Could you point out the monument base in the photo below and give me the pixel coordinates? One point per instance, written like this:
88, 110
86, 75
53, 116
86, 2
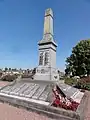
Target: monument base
38, 96
46, 74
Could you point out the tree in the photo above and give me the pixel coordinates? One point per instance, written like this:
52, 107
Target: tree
14, 69
20, 69
9, 77
79, 61
9, 69
34, 71
6, 69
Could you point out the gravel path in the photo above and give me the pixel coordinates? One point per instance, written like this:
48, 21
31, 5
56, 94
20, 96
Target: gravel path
8, 112
3, 83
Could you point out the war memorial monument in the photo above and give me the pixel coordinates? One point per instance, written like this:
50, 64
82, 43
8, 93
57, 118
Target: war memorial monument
38, 94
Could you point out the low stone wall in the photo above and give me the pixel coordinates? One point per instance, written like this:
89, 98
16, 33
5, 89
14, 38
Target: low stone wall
57, 113
82, 107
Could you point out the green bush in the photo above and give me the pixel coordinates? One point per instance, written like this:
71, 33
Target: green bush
83, 83
26, 76
70, 81
9, 78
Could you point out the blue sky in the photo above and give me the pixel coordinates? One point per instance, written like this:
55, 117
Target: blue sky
21, 27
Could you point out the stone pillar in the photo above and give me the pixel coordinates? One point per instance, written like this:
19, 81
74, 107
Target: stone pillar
47, 51
48, 23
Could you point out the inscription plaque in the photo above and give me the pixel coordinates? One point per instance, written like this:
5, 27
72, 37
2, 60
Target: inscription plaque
33, 91
29, 89
44, 96
38, 93
17, 89
23, 89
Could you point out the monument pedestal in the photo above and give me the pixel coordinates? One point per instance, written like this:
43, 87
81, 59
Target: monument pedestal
46, 73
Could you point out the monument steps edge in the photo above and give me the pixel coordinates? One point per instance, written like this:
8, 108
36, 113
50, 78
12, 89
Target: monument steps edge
42, 109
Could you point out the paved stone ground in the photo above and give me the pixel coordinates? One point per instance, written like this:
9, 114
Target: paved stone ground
3, 83
87, 113
8, 112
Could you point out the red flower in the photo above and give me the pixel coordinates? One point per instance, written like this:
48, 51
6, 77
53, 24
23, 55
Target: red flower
60, 103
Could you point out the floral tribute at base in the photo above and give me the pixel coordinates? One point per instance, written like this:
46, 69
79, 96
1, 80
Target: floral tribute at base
60, 100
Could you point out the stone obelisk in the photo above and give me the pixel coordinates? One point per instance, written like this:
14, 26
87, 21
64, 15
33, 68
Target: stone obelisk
48, 23
46, 69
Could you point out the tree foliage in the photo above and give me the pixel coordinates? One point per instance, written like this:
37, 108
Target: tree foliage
79, 61
9, 77
6, 69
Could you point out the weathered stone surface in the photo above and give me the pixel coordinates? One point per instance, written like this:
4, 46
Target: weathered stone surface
71, 92
46, 69
25, 89
32, 92
44, 96
41, 90
29, 89
17, 89
35, 94
59, 114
